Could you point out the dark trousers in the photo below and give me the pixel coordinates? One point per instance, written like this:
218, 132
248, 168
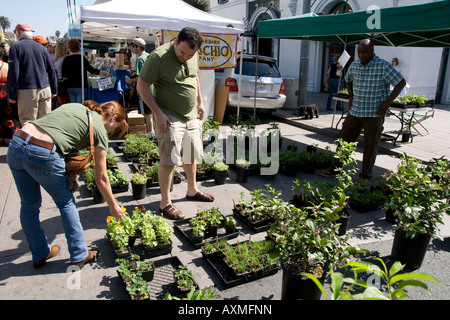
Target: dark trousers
373, 127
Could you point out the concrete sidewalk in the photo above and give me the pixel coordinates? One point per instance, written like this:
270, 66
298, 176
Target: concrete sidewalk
19, 280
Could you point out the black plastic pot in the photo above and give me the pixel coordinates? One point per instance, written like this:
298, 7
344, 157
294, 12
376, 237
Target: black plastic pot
242, 174
220, 177
139, 190
97, 196
406, 136
295, 287
410, 251
344, 221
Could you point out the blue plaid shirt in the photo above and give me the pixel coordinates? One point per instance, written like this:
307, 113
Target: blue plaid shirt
371, 85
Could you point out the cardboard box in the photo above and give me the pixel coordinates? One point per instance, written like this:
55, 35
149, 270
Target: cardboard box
221, 97
134, 118
137, 128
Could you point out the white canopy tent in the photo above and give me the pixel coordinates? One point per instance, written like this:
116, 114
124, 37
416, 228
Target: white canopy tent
122, 20
128, 19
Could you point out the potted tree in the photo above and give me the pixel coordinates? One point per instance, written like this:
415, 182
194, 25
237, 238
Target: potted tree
220, 172
418, 204
138, 185
308, 243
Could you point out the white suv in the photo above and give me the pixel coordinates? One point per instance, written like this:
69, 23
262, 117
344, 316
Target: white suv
269, 85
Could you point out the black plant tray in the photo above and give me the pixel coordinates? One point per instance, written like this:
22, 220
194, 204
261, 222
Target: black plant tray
163, 281
229, 277
183, 226
120, 188
138, 249
258, 226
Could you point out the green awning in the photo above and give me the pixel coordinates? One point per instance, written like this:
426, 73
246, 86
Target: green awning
424, 25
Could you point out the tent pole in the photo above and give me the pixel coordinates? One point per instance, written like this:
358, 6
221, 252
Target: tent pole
256, 76
240, 77
304, 63
82, 65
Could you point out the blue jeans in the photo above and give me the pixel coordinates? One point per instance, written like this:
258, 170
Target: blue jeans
33, 166
333, 88
75, 94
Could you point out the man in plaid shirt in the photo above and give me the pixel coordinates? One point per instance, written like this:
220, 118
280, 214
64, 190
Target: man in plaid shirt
368, 82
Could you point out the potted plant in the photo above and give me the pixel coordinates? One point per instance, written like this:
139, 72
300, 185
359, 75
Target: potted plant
394, 282
230, 225
242, 170
89, 180
210, 130
134, 267
418, 204
118, 237
220, 172
184, 279
308, 244
198, 226
289, 162
138, 185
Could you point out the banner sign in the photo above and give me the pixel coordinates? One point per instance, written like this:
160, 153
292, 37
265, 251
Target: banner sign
218, 51
75, 30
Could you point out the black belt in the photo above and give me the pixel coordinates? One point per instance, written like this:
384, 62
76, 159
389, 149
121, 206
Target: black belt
42, 143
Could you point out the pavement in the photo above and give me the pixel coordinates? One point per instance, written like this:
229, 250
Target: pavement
99, 280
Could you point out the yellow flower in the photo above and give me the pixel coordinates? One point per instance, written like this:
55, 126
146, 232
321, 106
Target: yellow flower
109, 219
118, 226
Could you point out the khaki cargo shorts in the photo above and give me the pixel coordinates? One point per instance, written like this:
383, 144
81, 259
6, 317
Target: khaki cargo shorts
182, 143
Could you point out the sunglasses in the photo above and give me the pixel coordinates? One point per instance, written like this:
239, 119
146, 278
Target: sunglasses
186, 69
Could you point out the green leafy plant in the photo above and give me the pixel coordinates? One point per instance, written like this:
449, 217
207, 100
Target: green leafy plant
138, 178
220, 166
195, 294
418, 202
184, 278
394, 282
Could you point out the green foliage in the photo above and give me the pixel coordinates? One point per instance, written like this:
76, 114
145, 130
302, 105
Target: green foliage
394, 282
138, 178
417, 201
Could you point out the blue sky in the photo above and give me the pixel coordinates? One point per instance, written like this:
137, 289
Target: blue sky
43, 16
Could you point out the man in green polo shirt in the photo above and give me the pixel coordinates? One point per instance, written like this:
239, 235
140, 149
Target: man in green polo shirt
177, 108
368, 83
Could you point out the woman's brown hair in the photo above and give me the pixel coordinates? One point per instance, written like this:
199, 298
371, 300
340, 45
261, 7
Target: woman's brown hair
73, 45
110, 108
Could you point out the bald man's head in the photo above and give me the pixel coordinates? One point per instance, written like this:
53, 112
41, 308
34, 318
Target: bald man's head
365, 51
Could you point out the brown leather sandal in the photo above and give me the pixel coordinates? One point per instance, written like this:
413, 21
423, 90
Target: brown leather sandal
201, 196
171, 212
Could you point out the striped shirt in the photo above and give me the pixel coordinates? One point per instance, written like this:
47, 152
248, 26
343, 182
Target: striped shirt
371, 85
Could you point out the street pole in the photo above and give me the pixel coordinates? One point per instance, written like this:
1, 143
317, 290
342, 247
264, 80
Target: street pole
304, 63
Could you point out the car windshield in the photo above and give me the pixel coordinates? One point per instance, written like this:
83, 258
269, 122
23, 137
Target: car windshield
265, 68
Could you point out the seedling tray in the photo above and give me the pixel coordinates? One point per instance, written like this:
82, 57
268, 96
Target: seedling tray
163, 281
183, 226
258, 226
229, 277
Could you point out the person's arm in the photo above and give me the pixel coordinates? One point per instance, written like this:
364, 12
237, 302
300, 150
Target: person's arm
200, 107
394, 94
349, 86
13, 76
102, 181
143, 88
